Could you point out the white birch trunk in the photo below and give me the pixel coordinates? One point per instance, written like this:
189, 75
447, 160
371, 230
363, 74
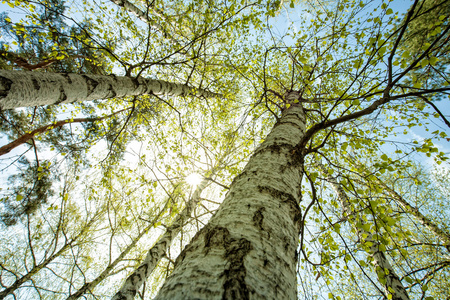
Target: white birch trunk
139, 13
26, 88
134, 282
46, 261
248, 248
443, 236
390, 281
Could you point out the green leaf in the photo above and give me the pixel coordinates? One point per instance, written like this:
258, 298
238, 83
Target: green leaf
389, 11
433, 61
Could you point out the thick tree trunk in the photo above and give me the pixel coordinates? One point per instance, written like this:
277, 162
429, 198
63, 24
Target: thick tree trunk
386, 274
157, 252
248, 248
25, 88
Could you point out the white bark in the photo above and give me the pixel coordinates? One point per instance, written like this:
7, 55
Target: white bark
139, 13
248, 248
443, 236
26, 88
390, 281
47, 260
133, 283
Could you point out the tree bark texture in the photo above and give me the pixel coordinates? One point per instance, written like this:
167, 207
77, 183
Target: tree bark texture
134, 282
248, 248
390, 281
139, 13
26, 88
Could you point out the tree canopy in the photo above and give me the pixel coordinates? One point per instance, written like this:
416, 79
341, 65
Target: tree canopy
97, 201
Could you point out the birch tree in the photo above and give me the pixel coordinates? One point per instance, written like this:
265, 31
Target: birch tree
337, 80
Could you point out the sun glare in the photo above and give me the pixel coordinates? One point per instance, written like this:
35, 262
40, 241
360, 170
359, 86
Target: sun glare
194, 179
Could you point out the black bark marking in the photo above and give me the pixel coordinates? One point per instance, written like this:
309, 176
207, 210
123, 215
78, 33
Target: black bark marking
91, 84
235, 286
258, 218
5, 86
136, 82
274, 148
36, 85
286, 198
62, 95
67, 77
145, 269
112, 92
235, 252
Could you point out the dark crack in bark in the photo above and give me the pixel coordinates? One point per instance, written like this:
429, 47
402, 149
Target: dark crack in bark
287, 198
258, 218
67, 77
36, 85
5, 86
235, 251
91, 84
62, 95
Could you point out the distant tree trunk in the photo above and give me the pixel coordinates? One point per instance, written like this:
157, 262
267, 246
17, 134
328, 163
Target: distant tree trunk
390, 281
143, 16
248, 248
157, 252
442, 235
89, 286
26, 88
44, 263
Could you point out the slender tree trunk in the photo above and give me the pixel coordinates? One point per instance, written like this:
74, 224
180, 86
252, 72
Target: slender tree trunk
248, 248
89, 286
29, 135
45, 262
157, 252
25, 88
443, 236
390, 281
140, 14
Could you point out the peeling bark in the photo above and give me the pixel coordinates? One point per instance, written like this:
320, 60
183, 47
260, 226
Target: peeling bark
248, 248
25, 88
